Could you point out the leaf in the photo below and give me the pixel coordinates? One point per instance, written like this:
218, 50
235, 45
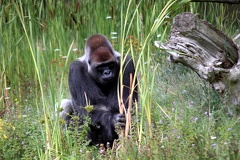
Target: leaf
89, 108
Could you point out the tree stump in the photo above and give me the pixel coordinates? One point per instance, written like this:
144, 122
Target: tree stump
210, 53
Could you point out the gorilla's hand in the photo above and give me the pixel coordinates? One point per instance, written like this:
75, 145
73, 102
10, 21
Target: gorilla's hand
66, 109
119, 120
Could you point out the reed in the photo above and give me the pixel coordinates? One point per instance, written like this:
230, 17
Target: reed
178, 116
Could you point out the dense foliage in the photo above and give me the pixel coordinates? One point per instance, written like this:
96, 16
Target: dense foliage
179, 116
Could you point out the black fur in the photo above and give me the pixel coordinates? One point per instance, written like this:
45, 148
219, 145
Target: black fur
86, 91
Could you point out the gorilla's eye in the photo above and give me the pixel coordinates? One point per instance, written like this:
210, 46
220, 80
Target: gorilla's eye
100, 69
111, 65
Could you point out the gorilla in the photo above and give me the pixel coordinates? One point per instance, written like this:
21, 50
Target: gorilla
94, 80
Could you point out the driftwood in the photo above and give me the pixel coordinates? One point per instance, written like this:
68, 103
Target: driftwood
210, 53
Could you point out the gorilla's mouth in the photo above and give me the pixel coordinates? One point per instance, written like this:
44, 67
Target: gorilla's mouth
108, 79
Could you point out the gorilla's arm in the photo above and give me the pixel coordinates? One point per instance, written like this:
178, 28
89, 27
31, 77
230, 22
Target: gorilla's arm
106, 122
82, 87
75, 82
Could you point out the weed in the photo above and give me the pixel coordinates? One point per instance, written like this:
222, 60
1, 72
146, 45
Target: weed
179, 116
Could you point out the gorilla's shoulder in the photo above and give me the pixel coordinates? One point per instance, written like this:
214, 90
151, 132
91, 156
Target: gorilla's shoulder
78, 65
128, 60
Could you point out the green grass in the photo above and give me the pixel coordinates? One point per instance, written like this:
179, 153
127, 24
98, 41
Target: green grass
179, 115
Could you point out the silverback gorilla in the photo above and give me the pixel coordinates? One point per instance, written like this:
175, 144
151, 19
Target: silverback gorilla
94, 80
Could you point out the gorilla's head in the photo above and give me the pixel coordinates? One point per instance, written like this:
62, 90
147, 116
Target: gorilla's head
102, 59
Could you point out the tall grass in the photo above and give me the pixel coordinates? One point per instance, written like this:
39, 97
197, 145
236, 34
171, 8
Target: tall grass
179, 116
222, 17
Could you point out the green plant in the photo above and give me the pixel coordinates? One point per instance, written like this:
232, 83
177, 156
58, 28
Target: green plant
180, 117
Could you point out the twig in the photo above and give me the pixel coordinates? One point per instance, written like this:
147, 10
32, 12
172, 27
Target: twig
128, 115
6, 96
121, 107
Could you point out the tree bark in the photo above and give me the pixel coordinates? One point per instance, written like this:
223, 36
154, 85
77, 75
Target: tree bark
210, 53
219, 1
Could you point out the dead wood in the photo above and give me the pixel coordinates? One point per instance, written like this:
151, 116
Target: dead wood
210, 53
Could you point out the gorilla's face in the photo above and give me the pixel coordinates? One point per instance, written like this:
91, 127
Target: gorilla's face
104, 72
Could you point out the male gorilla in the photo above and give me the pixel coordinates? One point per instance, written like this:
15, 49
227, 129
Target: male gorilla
94, 80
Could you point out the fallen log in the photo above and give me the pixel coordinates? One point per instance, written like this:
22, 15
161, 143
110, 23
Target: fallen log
210, 53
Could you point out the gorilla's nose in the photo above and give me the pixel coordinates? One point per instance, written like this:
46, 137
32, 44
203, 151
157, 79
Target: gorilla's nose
107, 73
